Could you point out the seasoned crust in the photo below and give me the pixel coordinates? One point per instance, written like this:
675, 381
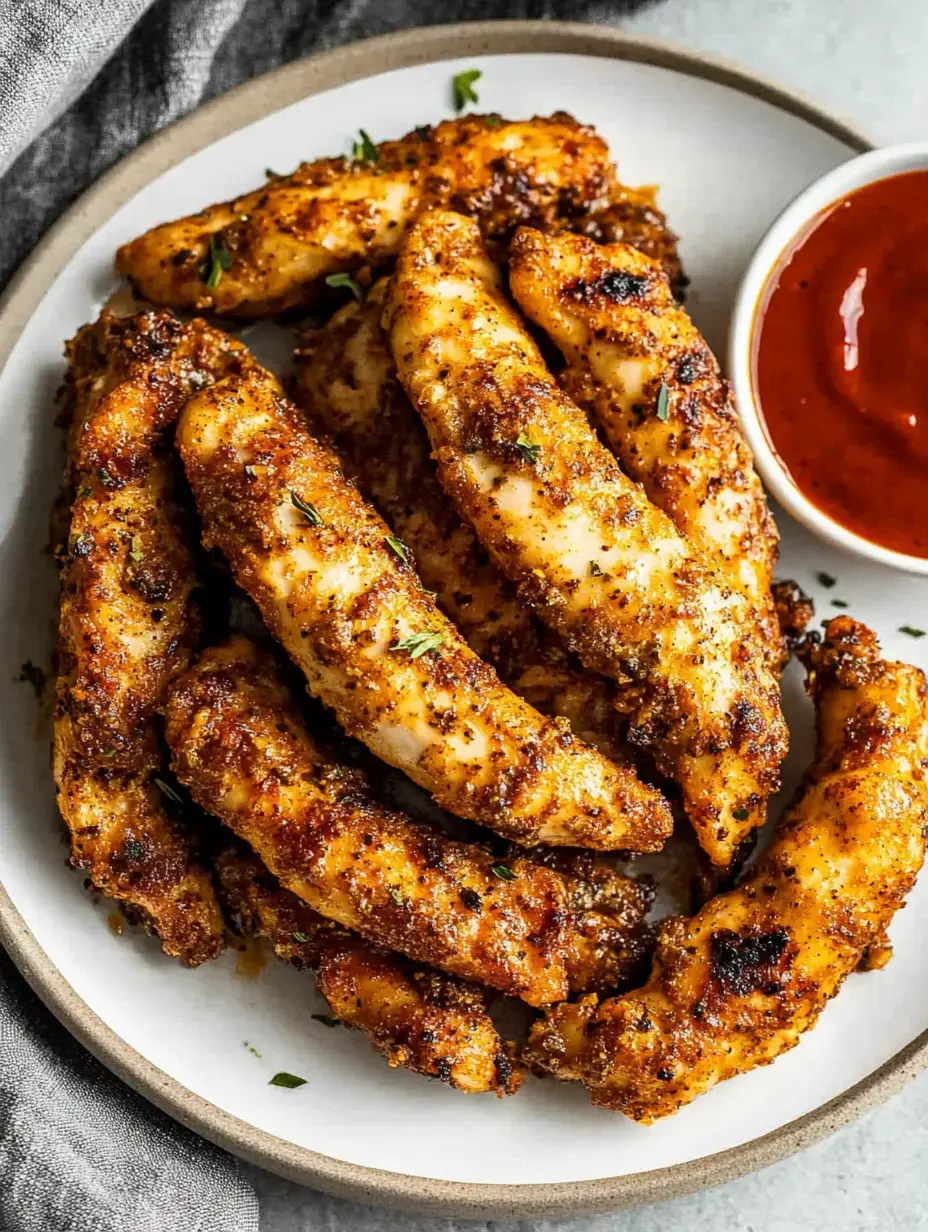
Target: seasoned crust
340, 214
239, 746
638, 365
352, 614
592, 556
345, 379
737, 984
128, 620
419, 1019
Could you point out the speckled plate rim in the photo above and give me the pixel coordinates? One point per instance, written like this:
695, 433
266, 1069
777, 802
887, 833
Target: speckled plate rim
224, 115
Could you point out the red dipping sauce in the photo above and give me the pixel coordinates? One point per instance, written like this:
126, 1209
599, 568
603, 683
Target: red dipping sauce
840, 362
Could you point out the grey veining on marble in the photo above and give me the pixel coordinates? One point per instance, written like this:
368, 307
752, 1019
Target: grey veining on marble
865, 59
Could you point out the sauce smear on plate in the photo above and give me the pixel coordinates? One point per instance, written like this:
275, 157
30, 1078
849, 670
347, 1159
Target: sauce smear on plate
841, 362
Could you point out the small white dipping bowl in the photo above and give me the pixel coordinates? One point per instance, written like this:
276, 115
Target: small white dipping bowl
789, 226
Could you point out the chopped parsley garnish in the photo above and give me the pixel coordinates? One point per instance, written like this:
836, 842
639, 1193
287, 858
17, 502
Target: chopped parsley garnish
345, 280
527, 449
272, 175
663, 400
309, 512
301, 937
109, 753
327, 1020
462, 88
503, 872
218, 259
911, 631
493, 121
398, 548
840, 603
397, 896
418, 644
283, 1079
251, 1048
167, 791
596, 570
740, 814
364, 150
135, 548
826, 580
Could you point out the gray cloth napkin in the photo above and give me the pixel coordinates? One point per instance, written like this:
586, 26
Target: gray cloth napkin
81, 83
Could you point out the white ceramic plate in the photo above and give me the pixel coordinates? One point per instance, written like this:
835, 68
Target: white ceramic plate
727, 157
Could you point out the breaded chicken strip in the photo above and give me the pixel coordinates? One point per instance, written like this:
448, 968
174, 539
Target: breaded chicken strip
595, 559
127, 619
345, 379
350, 610
738, 984
239, 746
272, 248
419, 1019
639, 366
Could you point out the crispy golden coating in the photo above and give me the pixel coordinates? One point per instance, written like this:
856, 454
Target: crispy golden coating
596, 560
278, 243
737, 985
127, 619
419, 1019
238, 745
636, 362
350, 610
345, 379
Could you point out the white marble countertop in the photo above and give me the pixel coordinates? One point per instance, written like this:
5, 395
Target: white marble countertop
864, 59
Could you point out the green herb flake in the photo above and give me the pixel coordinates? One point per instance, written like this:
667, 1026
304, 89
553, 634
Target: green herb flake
596, 570
109, 753
493, 121
343, 280
397, 896
83, 493
663, 402
135, 548
301, 937
218, 259
290, 1081
398, 548
911, 631
740, 814
364, 150
418, 644
167, 791
840, 603
527, 449
309, 512
826, 580
271, 174
327, 1020
503, 872
251, 1048
462, 88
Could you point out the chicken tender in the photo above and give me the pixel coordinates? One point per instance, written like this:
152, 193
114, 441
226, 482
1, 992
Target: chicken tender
738, 984
418, 1019
639, 366
272, 248
128, 621
595, 559
350, 610
346, 381
239, 746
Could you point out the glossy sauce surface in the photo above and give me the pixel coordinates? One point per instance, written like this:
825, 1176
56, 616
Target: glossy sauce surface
841, 362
